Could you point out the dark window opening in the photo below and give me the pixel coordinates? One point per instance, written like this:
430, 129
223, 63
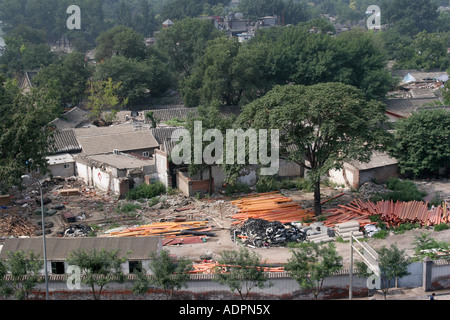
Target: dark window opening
135, 266
58, 267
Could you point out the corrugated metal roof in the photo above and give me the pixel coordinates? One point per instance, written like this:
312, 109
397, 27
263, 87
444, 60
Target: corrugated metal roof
135, 248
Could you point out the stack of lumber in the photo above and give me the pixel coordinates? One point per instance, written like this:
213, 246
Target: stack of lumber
391, 213
171, 232
345, 229
13, 225
211, 267
271, 206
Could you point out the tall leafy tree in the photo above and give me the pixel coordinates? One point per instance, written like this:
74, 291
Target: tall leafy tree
122, 41
103, 100
67, 77
321, 126
312, 263
167, 274
25, 270
243, 271
24, 130
184, 43
422, 144
98, 268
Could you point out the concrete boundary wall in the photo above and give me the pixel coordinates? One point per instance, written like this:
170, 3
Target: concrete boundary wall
431, 275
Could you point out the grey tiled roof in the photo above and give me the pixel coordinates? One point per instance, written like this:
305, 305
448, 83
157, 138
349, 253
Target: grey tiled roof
73, 118
65, 141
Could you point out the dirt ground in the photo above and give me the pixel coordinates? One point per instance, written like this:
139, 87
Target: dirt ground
102, 214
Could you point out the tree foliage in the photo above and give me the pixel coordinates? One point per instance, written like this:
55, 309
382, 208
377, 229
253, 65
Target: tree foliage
311, 263
24, 270
103, 100
167, 274
422, 143
243, 271
24, 131
98, 268
321, 126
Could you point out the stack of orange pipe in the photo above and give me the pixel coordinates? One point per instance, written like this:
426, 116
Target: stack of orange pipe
167, 229
270, 206
391, 213
210, 267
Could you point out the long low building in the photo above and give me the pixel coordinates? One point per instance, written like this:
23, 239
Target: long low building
135, 250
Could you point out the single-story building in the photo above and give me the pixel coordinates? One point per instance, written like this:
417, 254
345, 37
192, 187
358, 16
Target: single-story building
136, 250
61, 165
115, 173
355, 173
121, 138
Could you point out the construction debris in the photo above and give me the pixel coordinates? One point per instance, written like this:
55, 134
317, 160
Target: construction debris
5, 200
317, 232
13, 225
77, 230
69, 192
263, 233
209, 266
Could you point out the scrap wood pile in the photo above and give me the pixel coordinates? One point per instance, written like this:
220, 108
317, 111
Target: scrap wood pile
171, 232
13, 225
210, 266
271, 206
390, 212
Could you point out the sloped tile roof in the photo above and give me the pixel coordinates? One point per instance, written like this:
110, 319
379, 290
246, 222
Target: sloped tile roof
65, 141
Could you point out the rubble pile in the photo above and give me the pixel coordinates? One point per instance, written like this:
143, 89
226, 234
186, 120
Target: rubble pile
259, 233
77, 230
14, 225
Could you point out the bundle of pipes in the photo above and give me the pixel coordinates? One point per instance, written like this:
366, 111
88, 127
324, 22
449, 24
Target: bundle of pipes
271, 206
214, 266
390, 212
169, 231
345, 230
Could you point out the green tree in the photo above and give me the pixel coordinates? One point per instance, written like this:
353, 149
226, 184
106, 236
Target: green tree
411, 16
421, 143
243, 271
311, 263
210, 119
184, 43
24, 131
103, 101
98, 268
25, 274
139, 79
321, 126
122, 41
167, 274
67, 77
393, 263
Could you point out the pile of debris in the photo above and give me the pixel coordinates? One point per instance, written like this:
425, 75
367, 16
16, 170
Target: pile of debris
14, 225
77, 230
260, 233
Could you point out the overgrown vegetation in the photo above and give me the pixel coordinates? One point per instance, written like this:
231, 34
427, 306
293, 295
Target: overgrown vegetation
146, 191
426, 246
400, 190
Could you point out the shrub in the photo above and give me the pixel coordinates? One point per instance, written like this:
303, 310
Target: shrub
401, 190
127, 208
146, 191
237, 187
441, 226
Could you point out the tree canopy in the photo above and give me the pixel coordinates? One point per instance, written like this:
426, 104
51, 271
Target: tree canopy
321, 125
